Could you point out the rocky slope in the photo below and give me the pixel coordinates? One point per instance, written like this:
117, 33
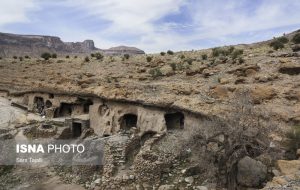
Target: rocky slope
205, 82
35, 45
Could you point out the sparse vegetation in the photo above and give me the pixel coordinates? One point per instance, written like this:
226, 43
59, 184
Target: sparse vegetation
296, 38
15, 57
67, 56
204, 56
149, 58
86, 59
293, 140
92, 55
236, 53
224, 52
173, 66
283, 39
0, 57
26, 57
54, 55
21, 58
99, 56
189, 61
277, 43
162, 53
170, 52
126, 56
75, 57
155, 72
182, 56
46, 55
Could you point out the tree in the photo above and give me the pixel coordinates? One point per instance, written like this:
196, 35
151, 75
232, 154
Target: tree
126, 56
296, 38
204, 56
276, 44
46, 55
54, 55
98, 56
86, 59
149, 58
170, 52
162, 53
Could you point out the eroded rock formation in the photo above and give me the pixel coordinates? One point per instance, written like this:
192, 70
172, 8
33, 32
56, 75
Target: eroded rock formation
35, 45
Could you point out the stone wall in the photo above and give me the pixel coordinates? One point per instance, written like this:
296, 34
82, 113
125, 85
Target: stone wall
105, 117
110, 117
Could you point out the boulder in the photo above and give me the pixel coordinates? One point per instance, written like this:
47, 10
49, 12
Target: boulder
261, 93
295, 47
189, 180
220, 92
290, 69
251, 173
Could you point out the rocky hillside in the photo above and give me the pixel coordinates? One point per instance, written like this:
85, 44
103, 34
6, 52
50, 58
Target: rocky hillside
35, 45
246, 98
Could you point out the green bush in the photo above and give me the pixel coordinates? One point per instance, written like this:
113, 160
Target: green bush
67, 56
182, 56
162, 53
283, 39
296, 38
224, 51
170, 52
46, 55
0, 57
86, 59
204, 56
54, 55
126, 56
236, 53
92, 55
155, 72
15, 57
276, 44
173, 66
26, 57
149, 58
189, 61
231, 49
99, 56
75, 57
293, 139
21, 58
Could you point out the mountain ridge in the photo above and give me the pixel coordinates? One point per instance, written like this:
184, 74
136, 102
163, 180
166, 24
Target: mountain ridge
35, 45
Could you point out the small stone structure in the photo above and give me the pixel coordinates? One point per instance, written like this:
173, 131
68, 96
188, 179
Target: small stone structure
77, 125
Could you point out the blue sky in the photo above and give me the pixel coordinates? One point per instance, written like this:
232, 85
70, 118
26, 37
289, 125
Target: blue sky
153, 25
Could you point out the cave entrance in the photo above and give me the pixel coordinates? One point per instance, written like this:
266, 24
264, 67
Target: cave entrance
76, 129
48, 104
86, 106
174, 120
128, 121
65, 110
39, 104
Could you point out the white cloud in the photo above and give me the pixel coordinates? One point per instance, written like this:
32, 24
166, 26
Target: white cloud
133, 22
14, 11
130, 16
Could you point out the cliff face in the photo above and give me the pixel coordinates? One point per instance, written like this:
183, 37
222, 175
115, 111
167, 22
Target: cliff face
35, 45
